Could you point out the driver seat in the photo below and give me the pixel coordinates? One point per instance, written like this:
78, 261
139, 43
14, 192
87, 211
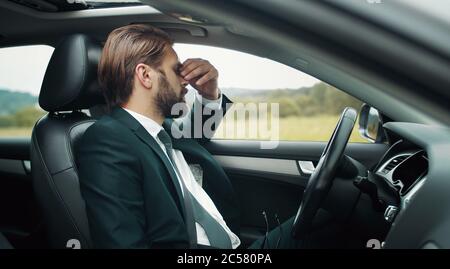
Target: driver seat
70, 85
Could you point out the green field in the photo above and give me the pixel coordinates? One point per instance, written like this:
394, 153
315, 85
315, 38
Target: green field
16, 132
317, 128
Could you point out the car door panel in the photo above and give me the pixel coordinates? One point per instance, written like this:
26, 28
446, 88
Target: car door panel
20, 219
271, 180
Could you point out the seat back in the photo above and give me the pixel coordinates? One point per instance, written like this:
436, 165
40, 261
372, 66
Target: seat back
69, 86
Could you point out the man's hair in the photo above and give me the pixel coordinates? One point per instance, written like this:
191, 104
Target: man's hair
124, 49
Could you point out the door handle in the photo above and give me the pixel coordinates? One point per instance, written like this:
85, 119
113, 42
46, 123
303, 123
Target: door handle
306, 167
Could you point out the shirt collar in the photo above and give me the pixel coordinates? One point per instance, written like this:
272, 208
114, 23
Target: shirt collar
150, 125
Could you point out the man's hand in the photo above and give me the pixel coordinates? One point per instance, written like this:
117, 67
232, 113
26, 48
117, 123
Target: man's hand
202, 76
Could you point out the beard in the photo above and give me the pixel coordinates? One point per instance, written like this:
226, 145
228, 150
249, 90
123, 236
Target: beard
167, 98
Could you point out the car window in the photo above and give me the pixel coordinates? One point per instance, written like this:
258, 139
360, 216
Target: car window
22, 70
272, 101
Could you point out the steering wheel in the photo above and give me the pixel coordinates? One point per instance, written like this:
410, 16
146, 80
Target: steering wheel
321, 179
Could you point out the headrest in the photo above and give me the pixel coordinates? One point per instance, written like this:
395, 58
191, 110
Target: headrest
70, 81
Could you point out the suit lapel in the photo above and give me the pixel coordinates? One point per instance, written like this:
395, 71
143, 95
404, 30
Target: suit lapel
124, 117
151, 142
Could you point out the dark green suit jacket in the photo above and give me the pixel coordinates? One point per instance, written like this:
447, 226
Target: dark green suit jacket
129, 187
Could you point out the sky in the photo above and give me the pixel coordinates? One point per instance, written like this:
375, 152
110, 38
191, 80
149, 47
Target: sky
23, 68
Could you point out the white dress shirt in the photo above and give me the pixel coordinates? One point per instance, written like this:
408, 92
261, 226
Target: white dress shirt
186, 174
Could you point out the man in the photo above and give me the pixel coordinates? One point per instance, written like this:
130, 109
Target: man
139, 189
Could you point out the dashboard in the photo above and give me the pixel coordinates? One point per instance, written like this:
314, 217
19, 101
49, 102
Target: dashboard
417, 166
404, 170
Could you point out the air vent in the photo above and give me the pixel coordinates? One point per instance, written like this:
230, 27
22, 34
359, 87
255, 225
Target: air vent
393, 163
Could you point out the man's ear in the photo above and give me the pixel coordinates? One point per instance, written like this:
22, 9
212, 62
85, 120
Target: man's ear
145, 75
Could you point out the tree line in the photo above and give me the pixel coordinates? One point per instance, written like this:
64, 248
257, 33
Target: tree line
24, 117
320, 99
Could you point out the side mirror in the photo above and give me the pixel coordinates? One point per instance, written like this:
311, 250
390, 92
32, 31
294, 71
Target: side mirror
371, 124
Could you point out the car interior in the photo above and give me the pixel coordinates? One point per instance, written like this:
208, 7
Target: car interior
393, 190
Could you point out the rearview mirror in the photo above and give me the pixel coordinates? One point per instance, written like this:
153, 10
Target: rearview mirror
371, 124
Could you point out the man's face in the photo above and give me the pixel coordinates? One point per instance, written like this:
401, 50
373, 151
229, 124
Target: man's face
171, 86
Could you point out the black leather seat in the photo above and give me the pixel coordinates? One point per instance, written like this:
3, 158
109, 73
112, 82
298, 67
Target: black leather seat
70, 85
